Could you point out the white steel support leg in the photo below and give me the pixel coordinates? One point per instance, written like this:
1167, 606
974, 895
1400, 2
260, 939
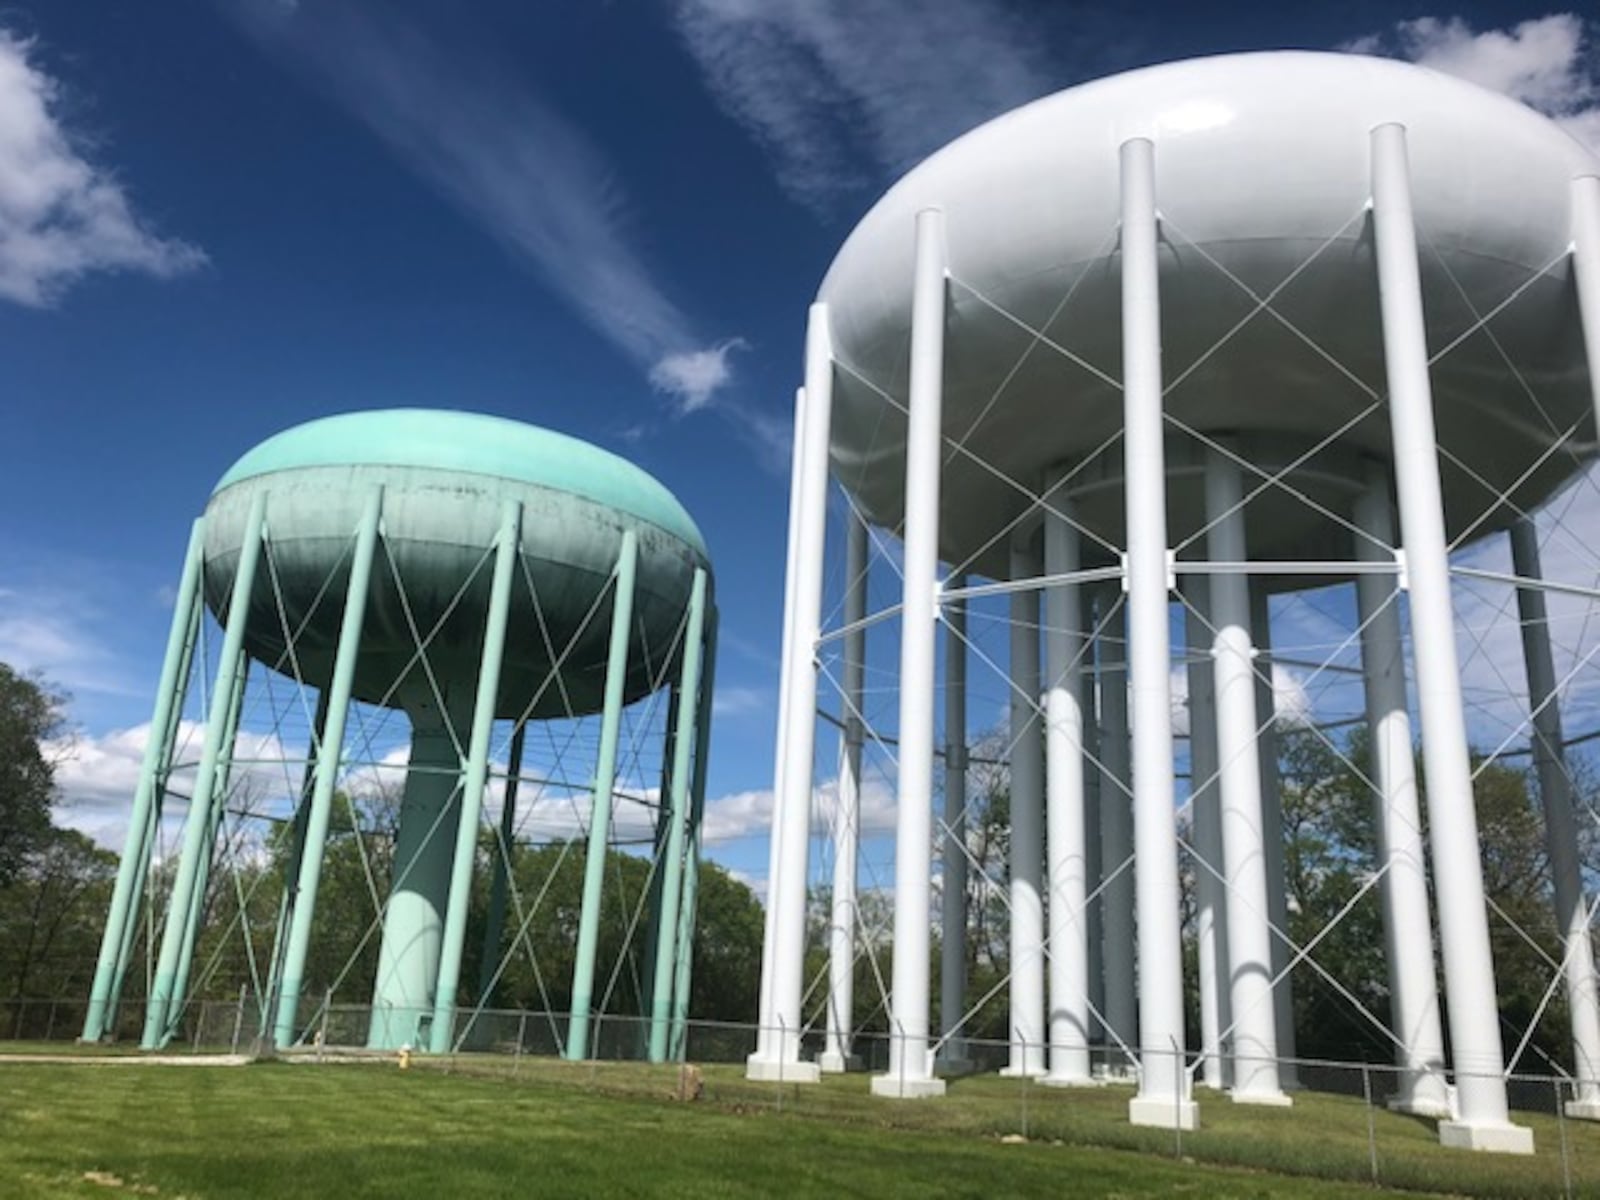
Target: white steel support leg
1408, 936
797, 476
1091, 817
1272, 833
846, 819
952, 1058
1163, 1097
1586, 269
1065, 836
1116, 838
1561, 833
1255, 1040
1211, 919
1027, 827
1453, 825
779, 1056
910, 1067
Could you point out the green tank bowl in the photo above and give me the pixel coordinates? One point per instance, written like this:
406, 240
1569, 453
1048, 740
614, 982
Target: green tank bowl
445, 476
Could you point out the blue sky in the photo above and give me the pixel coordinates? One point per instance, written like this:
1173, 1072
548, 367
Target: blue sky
220, 219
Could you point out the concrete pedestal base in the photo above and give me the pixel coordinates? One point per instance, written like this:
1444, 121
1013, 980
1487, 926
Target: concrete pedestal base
1263, 1099
1582, 1110
907, 1088
830, 1063
1496, 1139
1163, 1114
772, 1070
1022, 1072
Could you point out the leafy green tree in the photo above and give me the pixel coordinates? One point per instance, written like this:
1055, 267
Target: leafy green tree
30, 714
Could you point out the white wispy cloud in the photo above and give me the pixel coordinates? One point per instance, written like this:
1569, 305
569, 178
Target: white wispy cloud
1547, 63
487, 143
56, 630
746, 814
62, 216
841, 93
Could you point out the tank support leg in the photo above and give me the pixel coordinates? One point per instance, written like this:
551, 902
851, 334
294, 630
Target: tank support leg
1255, 1042
1272, 834
508, 544
1205, 812
677, 812
910, 1067
1453, 826
777, 1053
605, 774
199, 818
684, 967
1116, 832
1561, 834
953, 899
842, 920
303, 904
146, 815
1066, 830
1163, 1097
1027, 1032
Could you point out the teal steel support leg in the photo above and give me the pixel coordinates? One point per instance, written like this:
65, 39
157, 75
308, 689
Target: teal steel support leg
122, 919
684, 967
153, 826
494, 925
155, 1020
442, 1034
672, 877
303, 904
594, 866
655, 917
291, 865
202, 879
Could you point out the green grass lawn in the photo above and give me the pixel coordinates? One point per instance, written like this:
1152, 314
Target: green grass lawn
280, 1130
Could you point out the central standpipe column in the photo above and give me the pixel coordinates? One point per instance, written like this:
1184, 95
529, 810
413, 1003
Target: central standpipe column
1483, 1122
605, 775
910, 1069
1068, 854
846, 821
146, 800
1255, 1040
442, 1034
953, 897
1205, 808
303, 901
198, 824
777, 1053
1027, 824
1116, 837
1163, 1098
666, 956
1561, 834
1408, 937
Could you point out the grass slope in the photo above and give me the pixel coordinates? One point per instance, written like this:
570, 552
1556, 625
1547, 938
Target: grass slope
278, 1130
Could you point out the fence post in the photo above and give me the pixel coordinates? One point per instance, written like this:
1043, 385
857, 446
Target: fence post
238, 1020
1372, 1128
199, 1007
522, 1032
1561, 1128
50, 1022
783, 1043
1177, 1100
322, 1029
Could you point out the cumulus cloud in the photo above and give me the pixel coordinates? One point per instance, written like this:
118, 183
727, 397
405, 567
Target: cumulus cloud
1546, 63
692, 377
840, 93
62, 216
749, 813
528, 176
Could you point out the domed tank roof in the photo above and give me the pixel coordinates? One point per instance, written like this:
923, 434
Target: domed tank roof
445, 478
1263, 177
475, 443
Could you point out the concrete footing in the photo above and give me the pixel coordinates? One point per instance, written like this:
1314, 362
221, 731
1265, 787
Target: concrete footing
908, 1088
1496, 1138
773, 1070
1164, 1114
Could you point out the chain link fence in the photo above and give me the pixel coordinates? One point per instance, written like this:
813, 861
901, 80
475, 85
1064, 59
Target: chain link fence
1341, 1124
